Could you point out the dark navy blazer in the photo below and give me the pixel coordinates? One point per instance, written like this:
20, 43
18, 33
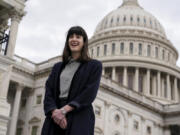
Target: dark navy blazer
83, 91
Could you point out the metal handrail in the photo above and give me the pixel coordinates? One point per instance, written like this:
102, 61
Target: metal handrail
4, 39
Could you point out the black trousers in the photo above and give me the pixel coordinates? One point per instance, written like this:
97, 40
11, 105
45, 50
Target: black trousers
58, 129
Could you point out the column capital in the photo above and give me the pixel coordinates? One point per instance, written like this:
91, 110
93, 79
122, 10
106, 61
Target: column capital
20, 86
16, 15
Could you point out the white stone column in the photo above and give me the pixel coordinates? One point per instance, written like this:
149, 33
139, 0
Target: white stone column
103, 71
15, 112
168, 87
136, 84
148, 82
176, 94
159, 83
114, 73
15, 19
107, 106
4, 105
28, 109
125, 76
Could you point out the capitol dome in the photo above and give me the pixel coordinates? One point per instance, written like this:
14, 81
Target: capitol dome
135, 52
132, 16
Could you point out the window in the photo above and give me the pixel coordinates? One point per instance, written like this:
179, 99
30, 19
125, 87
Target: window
19, 131
138, 19
38, 99
156, 52
150, 22
141, 83
34, 130
105, 50
23, 102
117, 118
168, 56
163, 53
136, 125
149, 130
113, 48
124, 19
148, 50
131, 18
140, 49
131, 48
111, 20
92, 51
98, 51
144, 20
120, 79
118, 19
122, 48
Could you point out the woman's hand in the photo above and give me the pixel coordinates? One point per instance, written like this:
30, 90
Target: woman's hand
63, 123
57, 116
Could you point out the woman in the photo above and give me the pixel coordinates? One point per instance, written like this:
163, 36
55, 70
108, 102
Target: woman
71, 88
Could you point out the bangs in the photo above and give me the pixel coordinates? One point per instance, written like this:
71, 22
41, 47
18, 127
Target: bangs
75, 30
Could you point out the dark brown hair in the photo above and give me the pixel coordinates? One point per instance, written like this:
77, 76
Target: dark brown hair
84, 57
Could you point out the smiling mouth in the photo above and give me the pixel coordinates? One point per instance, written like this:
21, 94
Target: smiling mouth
74, 44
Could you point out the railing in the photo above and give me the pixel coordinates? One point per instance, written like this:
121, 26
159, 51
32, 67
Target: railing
3, 42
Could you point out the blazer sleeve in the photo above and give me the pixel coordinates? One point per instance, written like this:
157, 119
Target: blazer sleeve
49, 99
89, 92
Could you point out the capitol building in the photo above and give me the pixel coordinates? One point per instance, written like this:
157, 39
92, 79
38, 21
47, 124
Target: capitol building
139, 93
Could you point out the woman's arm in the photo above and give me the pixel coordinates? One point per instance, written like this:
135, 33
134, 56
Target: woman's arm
49, 99
89, 92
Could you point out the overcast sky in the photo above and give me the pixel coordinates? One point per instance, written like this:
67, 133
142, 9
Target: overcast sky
42, 31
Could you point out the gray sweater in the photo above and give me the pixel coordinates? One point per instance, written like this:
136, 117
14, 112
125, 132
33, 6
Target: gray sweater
66, 77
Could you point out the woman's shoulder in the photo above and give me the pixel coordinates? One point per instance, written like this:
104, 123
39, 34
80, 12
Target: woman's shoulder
95, 62
57, 65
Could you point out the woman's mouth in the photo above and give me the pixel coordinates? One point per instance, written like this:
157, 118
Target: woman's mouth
74, 44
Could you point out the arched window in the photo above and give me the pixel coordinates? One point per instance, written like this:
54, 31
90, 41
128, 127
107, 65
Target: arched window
122, 48
138, 19
131, 19
131, 48
148, 50
144, 21
168, 56
124, 18
156, 52
113, 48
117, 118
105, 50
92, 51
118, 20
98, 51
163, 54
111, 20
140, 49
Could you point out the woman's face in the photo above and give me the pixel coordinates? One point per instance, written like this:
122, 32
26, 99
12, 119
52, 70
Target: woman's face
75, 43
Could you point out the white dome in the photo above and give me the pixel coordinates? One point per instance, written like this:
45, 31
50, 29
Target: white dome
130, 16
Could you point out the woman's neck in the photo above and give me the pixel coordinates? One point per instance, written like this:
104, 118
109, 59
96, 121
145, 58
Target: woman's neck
75, 55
